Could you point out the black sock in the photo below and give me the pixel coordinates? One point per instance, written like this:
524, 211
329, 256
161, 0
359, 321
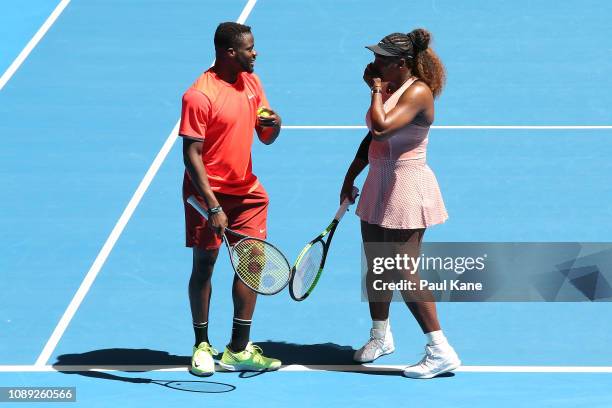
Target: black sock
201, 332
241, 329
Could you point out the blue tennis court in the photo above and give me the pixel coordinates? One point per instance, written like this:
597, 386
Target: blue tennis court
93, 268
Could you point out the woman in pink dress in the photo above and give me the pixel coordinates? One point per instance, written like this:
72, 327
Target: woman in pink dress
400, 197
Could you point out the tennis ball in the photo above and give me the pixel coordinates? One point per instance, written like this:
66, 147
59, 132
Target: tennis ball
263, 112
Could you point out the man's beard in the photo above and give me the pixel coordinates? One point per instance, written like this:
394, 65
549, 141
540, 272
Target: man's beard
246, 66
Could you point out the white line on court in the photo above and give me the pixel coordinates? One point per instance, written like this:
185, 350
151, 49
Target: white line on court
69, 313
467, 127
304, 368
105, 251
32, 43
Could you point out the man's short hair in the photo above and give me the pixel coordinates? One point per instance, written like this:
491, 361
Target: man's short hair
228, 35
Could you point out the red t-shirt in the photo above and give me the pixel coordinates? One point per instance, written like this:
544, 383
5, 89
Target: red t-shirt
223, 116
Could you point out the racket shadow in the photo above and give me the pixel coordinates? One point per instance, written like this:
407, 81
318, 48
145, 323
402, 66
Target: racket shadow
138, 360
201, 386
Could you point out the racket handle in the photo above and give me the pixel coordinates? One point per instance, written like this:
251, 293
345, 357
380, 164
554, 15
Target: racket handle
196, 204
346, 204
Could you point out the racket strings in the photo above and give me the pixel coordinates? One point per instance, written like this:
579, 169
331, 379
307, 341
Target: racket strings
260, 265
307, 269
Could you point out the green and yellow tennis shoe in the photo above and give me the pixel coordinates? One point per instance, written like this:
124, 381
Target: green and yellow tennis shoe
202, 363
250, 359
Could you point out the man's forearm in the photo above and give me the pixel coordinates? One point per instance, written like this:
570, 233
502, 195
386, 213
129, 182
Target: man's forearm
199, 178
192, 153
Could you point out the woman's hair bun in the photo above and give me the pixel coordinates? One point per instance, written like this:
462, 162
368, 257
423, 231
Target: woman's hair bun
420, 38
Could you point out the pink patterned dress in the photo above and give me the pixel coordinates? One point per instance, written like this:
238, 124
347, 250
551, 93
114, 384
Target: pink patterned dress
401, 191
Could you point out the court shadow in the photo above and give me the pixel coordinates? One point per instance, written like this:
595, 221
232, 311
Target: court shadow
142, 359
123, 357
288, 353
323, 357
308, 354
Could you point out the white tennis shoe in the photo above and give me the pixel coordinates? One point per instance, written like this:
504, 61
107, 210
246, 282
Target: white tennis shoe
380, 343
438, 359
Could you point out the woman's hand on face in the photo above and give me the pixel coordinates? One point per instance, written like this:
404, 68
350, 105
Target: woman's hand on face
369, 74
377, 83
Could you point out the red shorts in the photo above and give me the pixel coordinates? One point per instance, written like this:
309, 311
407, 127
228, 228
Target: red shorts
246, 214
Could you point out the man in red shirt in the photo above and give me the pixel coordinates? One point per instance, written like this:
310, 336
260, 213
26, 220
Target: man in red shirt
219, 115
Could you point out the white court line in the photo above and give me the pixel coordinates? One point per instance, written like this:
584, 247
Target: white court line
32, 43
105, 251
467, 127
304, 368
59, 330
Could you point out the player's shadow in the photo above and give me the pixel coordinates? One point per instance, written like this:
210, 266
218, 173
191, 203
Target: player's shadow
142, 359
325, 354
324, 357
124, 357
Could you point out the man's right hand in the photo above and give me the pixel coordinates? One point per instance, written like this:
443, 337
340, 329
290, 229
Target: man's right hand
218, 222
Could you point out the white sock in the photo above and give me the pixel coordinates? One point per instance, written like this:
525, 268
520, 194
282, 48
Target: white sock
435, 338
381, 327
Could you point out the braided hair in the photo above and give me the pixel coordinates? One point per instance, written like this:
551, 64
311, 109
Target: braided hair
422, 60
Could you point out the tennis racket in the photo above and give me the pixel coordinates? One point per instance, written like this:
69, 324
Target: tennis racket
259, 264
308, 268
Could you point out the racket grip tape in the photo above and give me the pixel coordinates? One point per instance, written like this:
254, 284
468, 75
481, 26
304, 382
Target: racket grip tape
198, 207
346, 204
